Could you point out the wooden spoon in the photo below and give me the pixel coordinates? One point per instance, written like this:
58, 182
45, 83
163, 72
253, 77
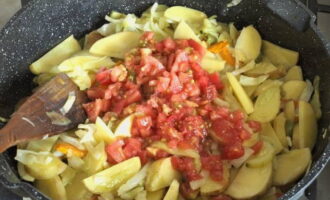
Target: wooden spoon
44, 114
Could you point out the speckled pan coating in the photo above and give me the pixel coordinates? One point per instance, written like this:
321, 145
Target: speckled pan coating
42, 24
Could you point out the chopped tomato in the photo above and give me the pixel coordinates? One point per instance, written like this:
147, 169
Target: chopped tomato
233, 151
257, 147
215, 79
214, 165
133, 147
93, 109
186, 166
115, 152
221, 197
254, 125
198, 47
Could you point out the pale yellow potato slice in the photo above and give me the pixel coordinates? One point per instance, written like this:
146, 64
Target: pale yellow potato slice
116, 45
161, 174
255, 137
267, 105
262, 68
95, 159
156, 195
53, 188
44, 145
189, 15
111, 178
268, 134
243, 98
291, 165
76, 190
210, 186
307, 125
295, 137
125, 126
279, 55
293, 89
250, 89
183, 31
23, 173
290, 111
103, 132
265, 156
266, 85
56, 55
279, 127
173, 191
248, 44
250, 182
294, 73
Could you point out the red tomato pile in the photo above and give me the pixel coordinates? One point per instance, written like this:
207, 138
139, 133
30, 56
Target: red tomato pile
164, 82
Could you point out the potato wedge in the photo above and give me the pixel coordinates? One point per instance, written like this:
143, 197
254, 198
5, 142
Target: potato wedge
56, 55
103, 132
161, 174
293, 89
279, 55
173, 191
124, 127
44, 145
291, 165
307, 125
76, 190
95, 159
116, 45
290, 111
243, 98
183, 31
111, 178
279, 127
262, 68
53, 188
266, 85
189, 15
295, 137
248, 44
211, 186
250, 182
250, 90
265, 156
267, 105
268, 134
156, 195
23, 173
294, 74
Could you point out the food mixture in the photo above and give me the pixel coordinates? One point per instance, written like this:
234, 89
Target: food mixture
181, 107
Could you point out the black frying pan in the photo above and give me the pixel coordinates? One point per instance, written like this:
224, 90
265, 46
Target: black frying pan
42, 24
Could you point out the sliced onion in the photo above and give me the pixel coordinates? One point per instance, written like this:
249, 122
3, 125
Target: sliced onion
73, 141
308, 91
251, 81
315, 102
246, 68
58, 119
69, 103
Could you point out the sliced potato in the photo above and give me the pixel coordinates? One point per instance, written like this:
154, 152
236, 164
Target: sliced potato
212, 63
189, 15
211, 186
76, 190
111, 178
116, 45
261, 69
291, 165
125, 126
23, 173
279, 55
294, 74
255, 137
156, 195
279, 127
173, 191
267, 105
265, 156
233, 32
307, 125
243, 98
290, 111
248, 44
268, 134
55, 56
293, 89
53, 188
295, 137
250, 182
161, 174
68, 175
266, 85
103, 132
183, 31
250, 90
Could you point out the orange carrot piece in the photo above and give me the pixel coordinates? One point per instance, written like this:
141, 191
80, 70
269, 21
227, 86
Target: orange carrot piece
221, 48
65, 148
